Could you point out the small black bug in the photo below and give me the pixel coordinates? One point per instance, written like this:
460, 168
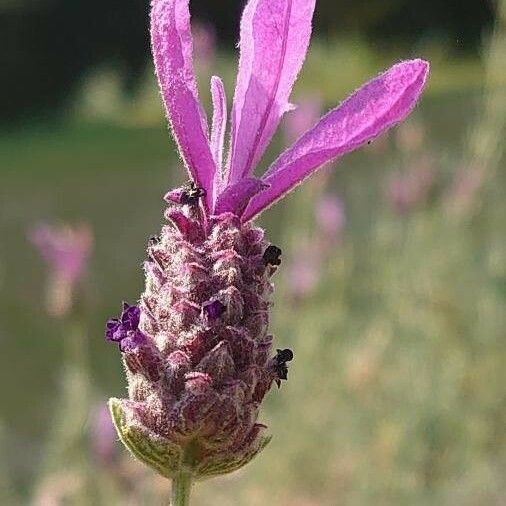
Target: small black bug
153, 240
272, 255
280, 360
192, 194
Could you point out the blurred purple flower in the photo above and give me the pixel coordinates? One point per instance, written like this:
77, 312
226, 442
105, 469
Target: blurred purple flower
410, 136
330, 217
305, 115
306, 266
67, 250
408, 191
304, 271
198, 376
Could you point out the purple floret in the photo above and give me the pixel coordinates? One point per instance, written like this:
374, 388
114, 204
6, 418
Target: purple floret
213, 309
125, 329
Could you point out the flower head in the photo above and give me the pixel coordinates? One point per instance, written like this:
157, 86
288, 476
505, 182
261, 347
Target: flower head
198, 356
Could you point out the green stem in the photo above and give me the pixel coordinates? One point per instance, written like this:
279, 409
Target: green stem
181, 487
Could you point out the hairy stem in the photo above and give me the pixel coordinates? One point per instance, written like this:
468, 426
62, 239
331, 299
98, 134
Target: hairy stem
181, 487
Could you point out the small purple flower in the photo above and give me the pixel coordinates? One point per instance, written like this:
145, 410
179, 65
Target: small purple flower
213, 309
198, 377
125, 329
67, 251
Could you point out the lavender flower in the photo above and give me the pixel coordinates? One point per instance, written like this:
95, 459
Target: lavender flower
67, 250
197, 353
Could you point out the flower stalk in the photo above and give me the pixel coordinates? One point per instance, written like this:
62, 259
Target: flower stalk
181, 488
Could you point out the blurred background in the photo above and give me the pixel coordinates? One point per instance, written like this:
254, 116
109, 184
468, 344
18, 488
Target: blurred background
392, 290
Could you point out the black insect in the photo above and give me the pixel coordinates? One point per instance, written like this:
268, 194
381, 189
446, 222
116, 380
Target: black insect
192, 194
280, 366
272, 255
154, 240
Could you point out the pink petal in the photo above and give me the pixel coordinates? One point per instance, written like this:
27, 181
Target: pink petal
274, 39
219, 126
236, 197
372, 109
171, 43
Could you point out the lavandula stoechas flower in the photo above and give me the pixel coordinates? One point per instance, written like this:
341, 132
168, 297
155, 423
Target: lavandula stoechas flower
196, 347
67, 250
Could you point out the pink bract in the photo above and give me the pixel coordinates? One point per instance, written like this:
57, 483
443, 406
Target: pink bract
274, 40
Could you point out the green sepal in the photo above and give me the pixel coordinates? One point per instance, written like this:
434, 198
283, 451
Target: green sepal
154, 451
228, 464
